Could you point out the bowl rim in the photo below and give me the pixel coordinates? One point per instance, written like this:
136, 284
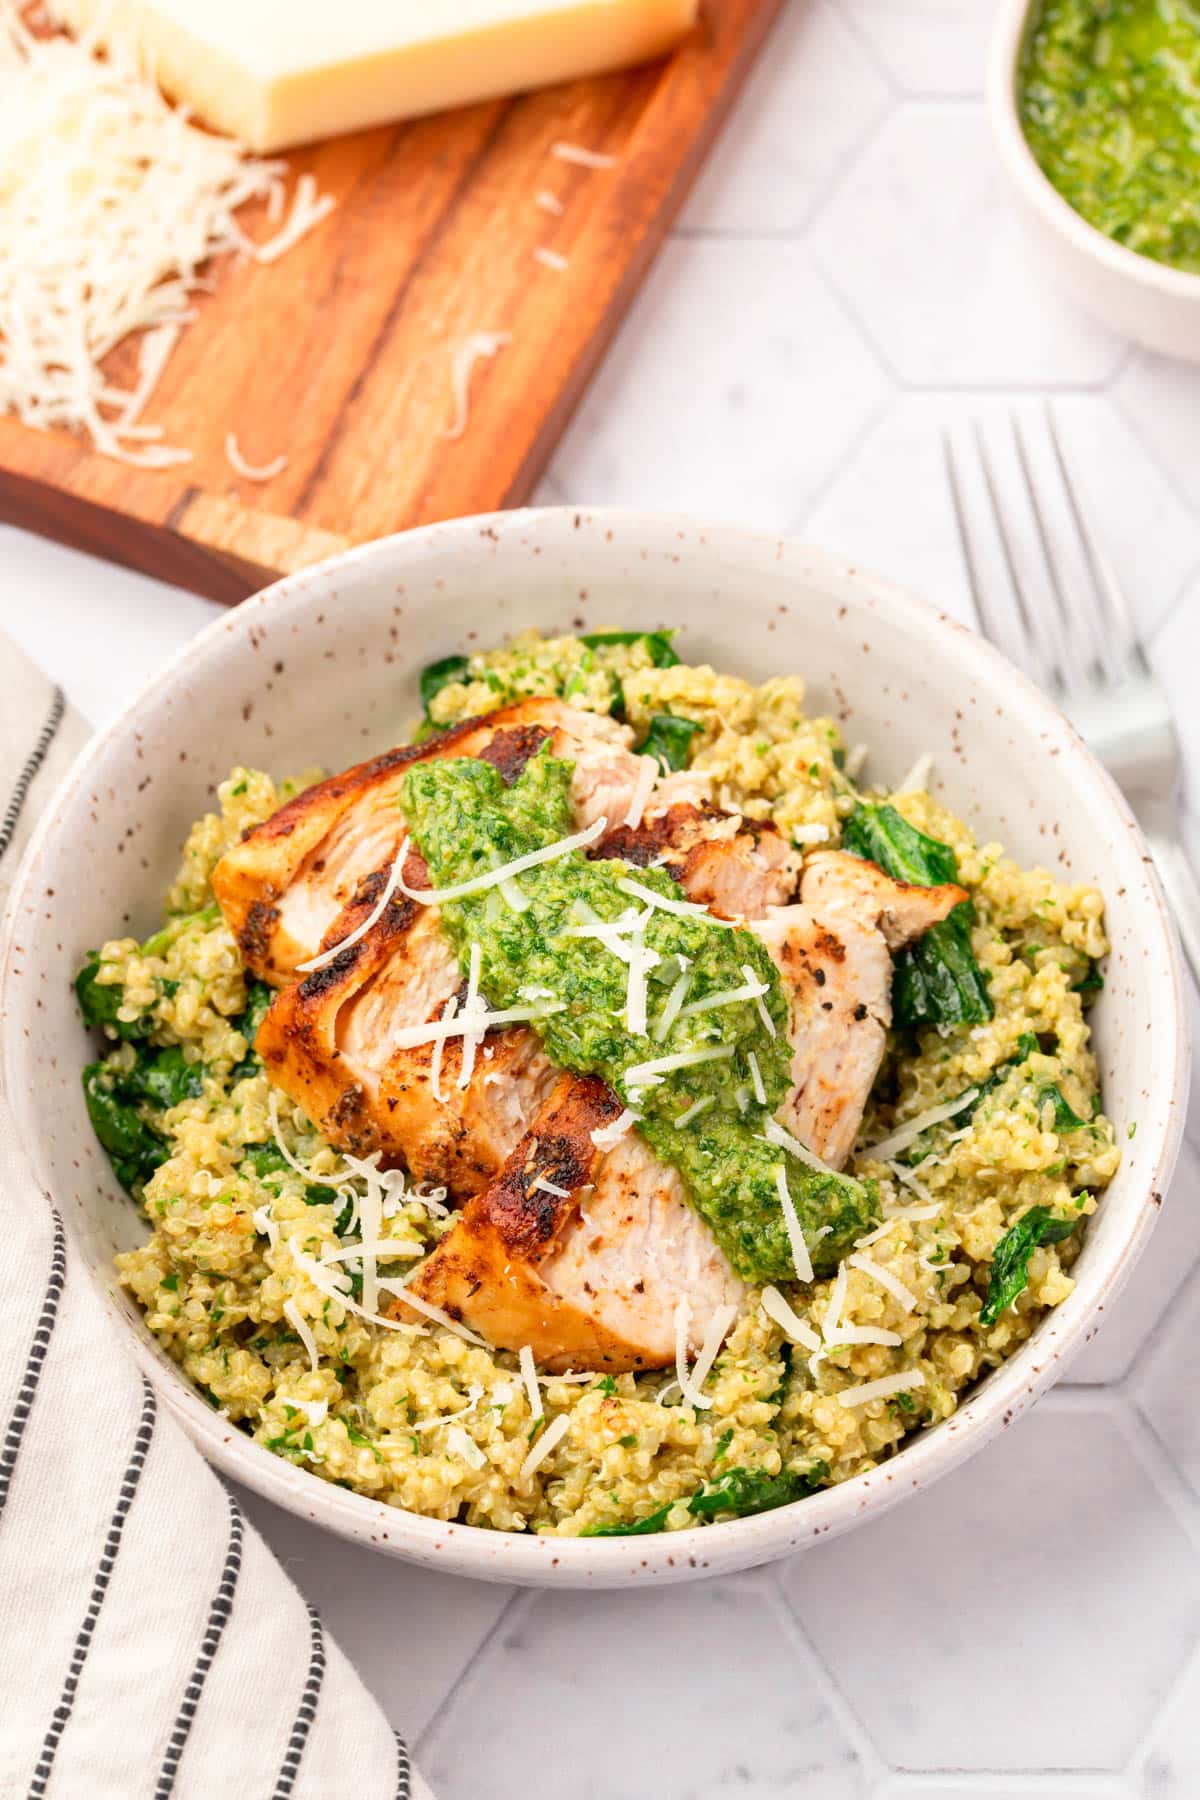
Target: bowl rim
991, 1407
1008, 37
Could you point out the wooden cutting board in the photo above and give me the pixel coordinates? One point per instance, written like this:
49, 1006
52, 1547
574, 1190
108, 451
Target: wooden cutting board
340, 354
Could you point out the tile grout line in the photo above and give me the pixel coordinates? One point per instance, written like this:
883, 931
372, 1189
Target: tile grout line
1185, 585
870, 51
855, 155
1140, 1753
1152, 1455
1189, 1293
871, 1760
1164, 468
521, 1599
862, 436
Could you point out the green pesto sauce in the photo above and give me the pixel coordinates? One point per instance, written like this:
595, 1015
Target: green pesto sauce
465, 822
1110, 104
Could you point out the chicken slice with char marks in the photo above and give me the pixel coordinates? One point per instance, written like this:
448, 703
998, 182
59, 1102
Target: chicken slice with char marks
581, 1253
735, 866
283, 888
328, 1043
833, 951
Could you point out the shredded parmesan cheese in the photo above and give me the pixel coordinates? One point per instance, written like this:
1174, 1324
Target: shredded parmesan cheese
551, 259
917, 778
113, 204
788, 1320
855, 759
542, 1185
529, 1376
550, 1439
579, 840
882, 1389
424, 1307
585, 159
474, 1396
607, 1137
550, 203
832, 1322
308, 209
801, 1260
477, 347
642, 959
386, 1249
885, 1278
810, 834
910, 1180
514, 896
673, 1007
376, 913
649, 1074
694, 1111
753, 990
691, 1381
873, 1237
909, 1132
251, 472
764, 1015
684, 909
475, 1010
776, 1134
409, 1036
610, 935
435, 1065
303, 1330
760, 1092
461, 1445
643, 787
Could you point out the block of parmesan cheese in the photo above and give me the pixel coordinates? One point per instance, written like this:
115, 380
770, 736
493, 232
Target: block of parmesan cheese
281, 72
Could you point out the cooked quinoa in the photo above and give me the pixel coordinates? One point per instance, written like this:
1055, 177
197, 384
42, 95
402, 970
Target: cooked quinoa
231, 1277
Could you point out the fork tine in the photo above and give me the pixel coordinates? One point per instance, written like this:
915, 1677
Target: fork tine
1057, 617
1116, 641
989, 624
1037, 656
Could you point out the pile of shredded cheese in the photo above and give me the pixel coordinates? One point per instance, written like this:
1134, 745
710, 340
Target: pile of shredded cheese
111, 205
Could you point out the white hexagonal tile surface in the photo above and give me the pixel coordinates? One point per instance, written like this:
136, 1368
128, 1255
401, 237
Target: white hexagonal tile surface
1022, 1560
810, 100
364, 1614
927, 46
937, 277
1170, 1767
1145, 1300
1167, 1378
766, 387
620, 1705
1162, 398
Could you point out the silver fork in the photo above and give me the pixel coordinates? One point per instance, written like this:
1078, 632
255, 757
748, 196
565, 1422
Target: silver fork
1076, 638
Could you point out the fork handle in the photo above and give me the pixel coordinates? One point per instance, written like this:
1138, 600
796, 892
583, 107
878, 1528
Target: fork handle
1183, 893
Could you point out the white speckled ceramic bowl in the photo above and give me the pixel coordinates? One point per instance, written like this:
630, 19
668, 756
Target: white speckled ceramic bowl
322, 668
1142, 299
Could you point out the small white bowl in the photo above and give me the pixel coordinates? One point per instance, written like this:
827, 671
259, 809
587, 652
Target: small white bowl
1142, 299
323, 666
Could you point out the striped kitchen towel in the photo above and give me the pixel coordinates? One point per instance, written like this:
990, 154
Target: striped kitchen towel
150, 1644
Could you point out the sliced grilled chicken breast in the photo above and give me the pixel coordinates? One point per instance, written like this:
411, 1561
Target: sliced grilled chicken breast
737, 867
582, 1254
284, 886
833, 951
328, 1042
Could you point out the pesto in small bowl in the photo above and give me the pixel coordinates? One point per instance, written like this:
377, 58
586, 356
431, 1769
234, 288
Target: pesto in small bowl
1109, 100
